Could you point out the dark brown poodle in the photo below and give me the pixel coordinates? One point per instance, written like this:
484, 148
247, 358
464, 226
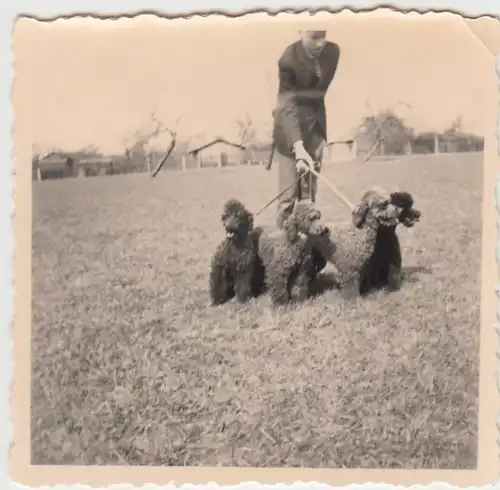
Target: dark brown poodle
292, 257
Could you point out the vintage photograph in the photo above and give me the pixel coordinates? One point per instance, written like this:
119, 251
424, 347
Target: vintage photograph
256, 242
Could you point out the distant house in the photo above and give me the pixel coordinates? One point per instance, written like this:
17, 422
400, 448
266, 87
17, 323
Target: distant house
341, 151
258, 154
54, 165
59, 165
218, 153
344, 148
94, 165
447, 142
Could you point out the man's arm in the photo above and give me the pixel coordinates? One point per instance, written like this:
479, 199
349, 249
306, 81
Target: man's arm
334, 57
287, 102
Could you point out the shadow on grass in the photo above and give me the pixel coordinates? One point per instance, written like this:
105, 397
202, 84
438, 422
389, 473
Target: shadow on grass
327, 282
323, 283
411, 274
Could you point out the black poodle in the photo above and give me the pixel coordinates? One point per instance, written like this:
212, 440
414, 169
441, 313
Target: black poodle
369, 255
236, 270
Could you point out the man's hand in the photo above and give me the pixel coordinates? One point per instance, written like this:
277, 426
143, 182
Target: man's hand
304, 160
301, 167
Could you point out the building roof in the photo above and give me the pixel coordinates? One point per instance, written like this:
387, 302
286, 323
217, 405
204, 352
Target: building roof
336, 142
95, 159
54, 158
212, 142
347, 137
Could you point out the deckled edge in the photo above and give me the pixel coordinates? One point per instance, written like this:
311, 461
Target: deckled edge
497, 249
254, 485
237, 13
9, 258
8, 430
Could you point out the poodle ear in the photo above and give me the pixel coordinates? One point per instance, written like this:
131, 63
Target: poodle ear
359, 214
291, 228
314, 214
402, 199
250, 221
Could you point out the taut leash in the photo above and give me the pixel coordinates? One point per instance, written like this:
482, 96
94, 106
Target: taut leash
343, 199
274, 199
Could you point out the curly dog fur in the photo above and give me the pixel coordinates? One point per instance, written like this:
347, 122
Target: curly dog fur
368, 256
291, 257
236, 270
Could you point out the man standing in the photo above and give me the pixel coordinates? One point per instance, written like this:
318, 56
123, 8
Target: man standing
306, 69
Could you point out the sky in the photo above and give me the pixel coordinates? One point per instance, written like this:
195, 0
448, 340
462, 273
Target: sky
82, 82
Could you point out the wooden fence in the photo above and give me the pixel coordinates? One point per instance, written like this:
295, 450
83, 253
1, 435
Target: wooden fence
116, 165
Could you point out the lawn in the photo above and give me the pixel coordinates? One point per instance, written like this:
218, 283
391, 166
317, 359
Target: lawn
131, 366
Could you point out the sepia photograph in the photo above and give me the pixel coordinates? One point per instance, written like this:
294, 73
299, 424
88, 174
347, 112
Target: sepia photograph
257, 242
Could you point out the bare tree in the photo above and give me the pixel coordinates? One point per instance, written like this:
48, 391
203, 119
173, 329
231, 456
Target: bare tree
137, 144
455, 128
246, 130
388, 129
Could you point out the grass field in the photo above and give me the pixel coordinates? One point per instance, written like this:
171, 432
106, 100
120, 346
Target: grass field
131, 366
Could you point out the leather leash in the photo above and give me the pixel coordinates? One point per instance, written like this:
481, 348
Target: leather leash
295, 182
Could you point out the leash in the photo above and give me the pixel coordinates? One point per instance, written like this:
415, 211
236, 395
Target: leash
343, 199
270, 159
274, 199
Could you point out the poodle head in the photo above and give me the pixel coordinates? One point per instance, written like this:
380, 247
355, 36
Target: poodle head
309, 220
404, 201
376, 209
236, 219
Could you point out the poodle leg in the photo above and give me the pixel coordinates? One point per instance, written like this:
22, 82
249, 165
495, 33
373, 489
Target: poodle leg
394, 273
221, 289
243, 286
378, 273
301, 287
394, 279
319, 261
278, 288
366, 279
258, 279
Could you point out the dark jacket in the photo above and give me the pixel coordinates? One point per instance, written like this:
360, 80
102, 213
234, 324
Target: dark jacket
300, 111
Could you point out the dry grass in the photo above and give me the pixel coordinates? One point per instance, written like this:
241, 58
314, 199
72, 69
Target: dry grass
131, 365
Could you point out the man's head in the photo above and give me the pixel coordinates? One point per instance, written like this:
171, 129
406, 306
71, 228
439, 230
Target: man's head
313, 41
